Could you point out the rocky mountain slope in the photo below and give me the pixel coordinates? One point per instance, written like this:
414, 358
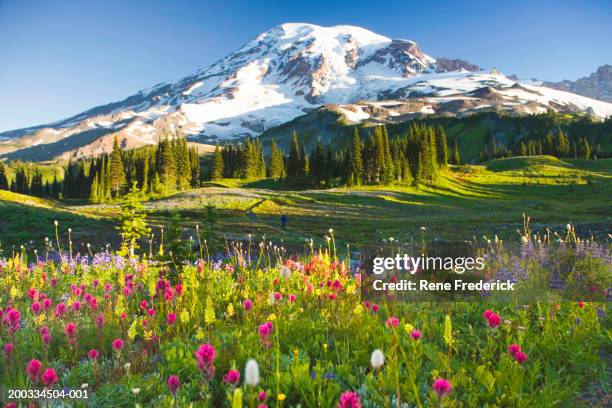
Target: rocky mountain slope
598, 85
287, 72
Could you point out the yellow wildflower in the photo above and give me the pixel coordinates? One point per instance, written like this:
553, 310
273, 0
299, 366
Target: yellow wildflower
200, 335
358, 310
132, 331
184, 316
209, 313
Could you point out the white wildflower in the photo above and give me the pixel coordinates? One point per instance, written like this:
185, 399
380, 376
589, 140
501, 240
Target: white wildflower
251, 373
377, 360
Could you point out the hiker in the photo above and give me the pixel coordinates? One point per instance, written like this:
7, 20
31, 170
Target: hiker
284, 221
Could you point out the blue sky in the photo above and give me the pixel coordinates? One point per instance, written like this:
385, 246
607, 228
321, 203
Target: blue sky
58, 58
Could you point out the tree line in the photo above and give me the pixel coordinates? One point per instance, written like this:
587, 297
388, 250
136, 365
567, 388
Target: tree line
554, 144
169, 166
416, 156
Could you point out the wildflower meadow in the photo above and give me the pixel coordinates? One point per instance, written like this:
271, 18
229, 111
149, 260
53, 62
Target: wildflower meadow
256, 326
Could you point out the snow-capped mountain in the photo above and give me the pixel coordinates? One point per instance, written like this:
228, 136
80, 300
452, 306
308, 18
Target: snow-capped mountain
284, 73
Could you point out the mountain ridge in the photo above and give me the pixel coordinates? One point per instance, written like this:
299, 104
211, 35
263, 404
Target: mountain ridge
598, 85
283, 73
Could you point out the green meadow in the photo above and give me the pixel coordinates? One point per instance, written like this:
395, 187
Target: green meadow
467, 201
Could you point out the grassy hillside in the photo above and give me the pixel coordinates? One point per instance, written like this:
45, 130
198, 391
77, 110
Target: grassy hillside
466, 201
25, 218
472, 132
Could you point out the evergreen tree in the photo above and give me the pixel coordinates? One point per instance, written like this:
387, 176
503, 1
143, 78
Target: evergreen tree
304, 170
584, 149
183, 166
456, 154
317, 163
276, 168
55, 188
144, 184
387, 165
21, 183
4, 182
167, 165
93, 195
294, 165
218, 165
441, 147
195, 167
356, 163
37, 187
117, 171
562, 144
549, 146
133, 221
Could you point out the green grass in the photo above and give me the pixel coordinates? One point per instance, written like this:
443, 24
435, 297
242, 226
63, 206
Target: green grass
24, 219
466, 201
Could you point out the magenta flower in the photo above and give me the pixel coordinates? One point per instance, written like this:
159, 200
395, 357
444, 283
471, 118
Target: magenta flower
151, 312
8, 349
494, 320
520, 357
33, 293
278, 296
100, 322
205, 356
36, 306
47, 303
13, 320
375, 308
513, 349
487, 313
171, 318
117, 344
415, 334
581, 304
93, 354
248, 304
60, 309
45, 335
232, 377
349, 399
264, 331
392, 321
174, 384
70, 330
442, 387
292, 298
49, 377
33, 369
262, 396
206, 353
